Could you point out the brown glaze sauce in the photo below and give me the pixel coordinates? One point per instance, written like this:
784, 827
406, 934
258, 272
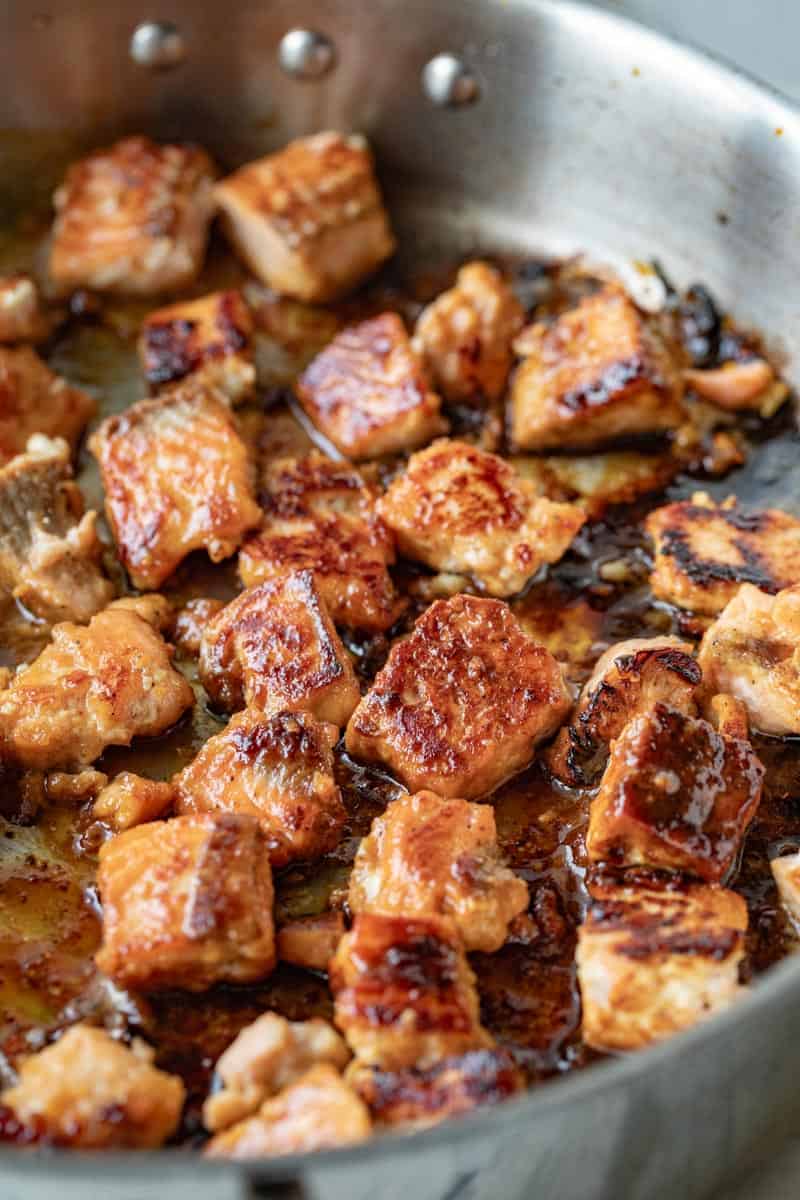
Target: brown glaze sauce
50, 926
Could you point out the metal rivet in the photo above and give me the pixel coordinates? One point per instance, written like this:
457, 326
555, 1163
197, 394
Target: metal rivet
157, 44
306, 54
448, 82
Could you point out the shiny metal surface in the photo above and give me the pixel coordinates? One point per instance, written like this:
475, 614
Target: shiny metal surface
306, 54
157, 44
448, 81
589, 134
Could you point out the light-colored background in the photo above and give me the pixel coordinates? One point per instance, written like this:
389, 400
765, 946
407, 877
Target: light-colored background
763, 36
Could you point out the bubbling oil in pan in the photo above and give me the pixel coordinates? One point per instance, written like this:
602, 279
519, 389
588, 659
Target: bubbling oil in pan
530, 1001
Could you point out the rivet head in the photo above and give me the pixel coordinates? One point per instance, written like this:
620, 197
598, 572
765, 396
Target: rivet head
448, 82
157, 44
306, 54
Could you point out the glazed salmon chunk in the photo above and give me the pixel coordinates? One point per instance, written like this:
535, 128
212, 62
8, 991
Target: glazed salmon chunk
133, 219
448, 1088
651, 963
186, 903
90, 1092
705, 551
462, 702
278, 769
211, 337
404, 993
600, 371
35, 400
320, 516
368, 393
49, 547
786, 873
130, 800
464, 337
752, 652
459, 509
177, 478
275, 647
22, 317
676, 794
309, 221
93, 686
265, 1057
317, 1112
428, 855
629, 678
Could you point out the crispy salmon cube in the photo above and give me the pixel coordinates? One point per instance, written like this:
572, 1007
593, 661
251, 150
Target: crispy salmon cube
705, 551
93, 686
320, 1111
458, 509
133, 219
311, 942
275, 647
49, 548
600, 371
464, 337
266, 1056
628, 679
90, 1092
320, 516
309, 220
177, 478
278, 769
651, 963
427, 855
343, 557
34, 400
211, 337
186, 903
675, 794
752, 652
368, 393
21, 316
404, 992
448, 1088
462, 701
130, 800
786, 873
633, 676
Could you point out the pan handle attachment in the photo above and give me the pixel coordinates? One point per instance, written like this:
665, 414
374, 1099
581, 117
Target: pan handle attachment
158, 45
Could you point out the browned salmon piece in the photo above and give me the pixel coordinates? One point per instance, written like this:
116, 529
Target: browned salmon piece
368, 393
651, 963
177, 478
133, 219
462, 701
308, 220
187, 903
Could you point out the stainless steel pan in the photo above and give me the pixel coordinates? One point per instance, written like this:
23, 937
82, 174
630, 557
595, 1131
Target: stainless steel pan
583, 132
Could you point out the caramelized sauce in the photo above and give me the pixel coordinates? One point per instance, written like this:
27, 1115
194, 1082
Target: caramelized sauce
50, 926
